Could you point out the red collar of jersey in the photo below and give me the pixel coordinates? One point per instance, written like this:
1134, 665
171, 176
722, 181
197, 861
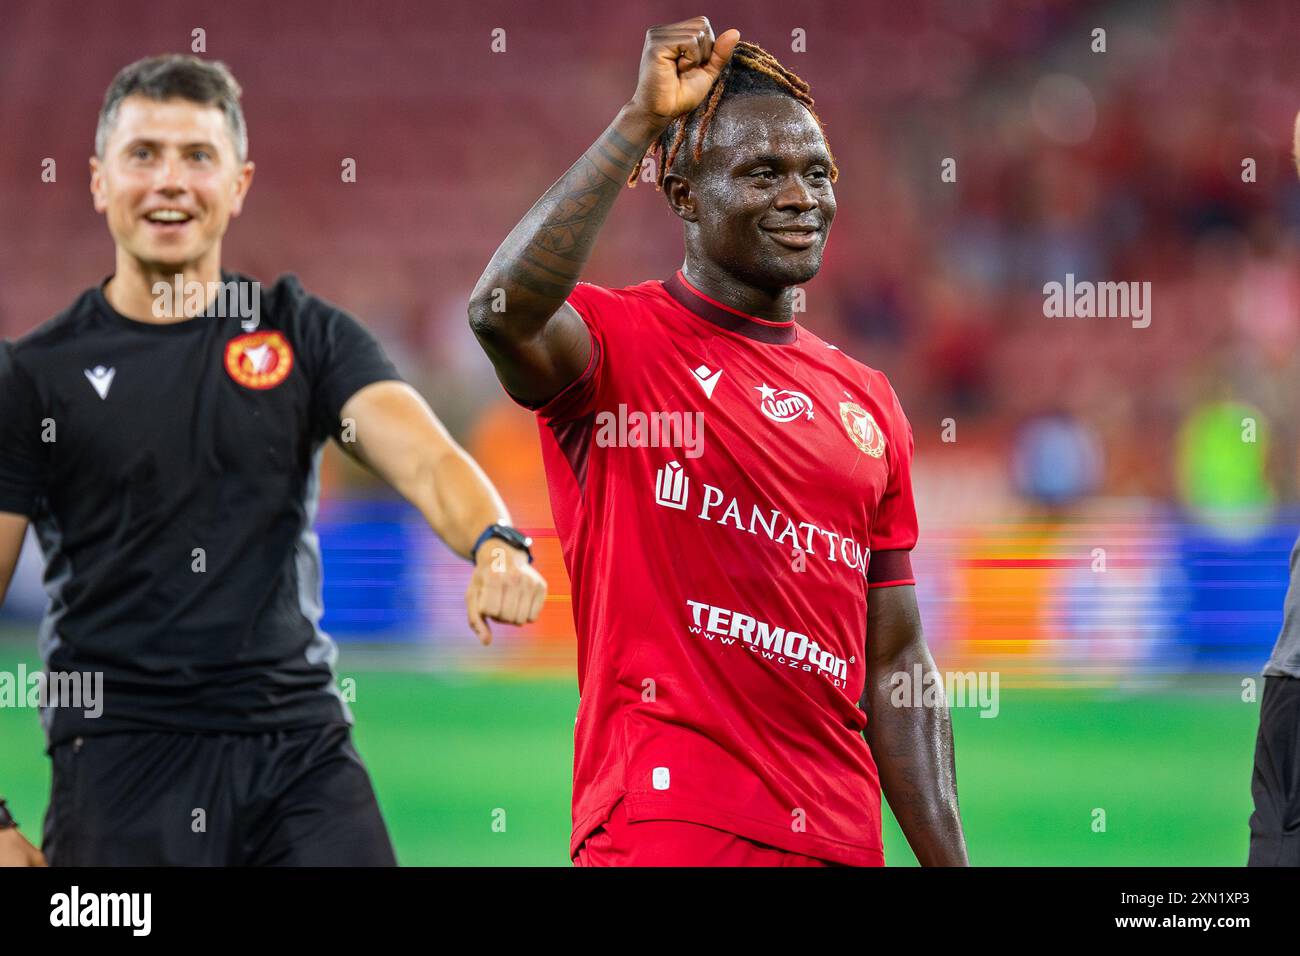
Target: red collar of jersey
724, 316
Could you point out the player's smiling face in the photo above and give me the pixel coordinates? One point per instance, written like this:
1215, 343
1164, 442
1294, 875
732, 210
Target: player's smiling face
170, 181
760, 199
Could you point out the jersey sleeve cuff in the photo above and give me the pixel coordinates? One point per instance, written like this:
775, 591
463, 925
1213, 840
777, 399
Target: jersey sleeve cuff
348, 388
890, 569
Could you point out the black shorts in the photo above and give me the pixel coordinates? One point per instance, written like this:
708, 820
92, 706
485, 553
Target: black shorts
282, 798
1275, 824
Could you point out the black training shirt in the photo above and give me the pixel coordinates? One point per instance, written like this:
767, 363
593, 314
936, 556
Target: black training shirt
171, 473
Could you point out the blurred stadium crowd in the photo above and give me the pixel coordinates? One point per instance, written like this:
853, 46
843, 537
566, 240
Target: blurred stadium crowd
1071, 434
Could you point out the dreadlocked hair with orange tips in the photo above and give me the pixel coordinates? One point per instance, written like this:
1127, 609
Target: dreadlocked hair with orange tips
751, 71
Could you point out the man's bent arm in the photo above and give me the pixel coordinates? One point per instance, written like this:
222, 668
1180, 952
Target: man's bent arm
537, 343
401, 439
912, 745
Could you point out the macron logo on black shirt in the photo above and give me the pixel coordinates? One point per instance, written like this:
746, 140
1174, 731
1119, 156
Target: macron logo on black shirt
101, 378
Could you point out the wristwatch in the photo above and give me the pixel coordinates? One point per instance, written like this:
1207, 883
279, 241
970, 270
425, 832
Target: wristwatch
511, 536
7, 821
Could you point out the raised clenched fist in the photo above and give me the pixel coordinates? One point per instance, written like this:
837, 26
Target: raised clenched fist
679, 63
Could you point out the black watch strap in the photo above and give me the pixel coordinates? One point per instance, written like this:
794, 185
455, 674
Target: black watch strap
511, 536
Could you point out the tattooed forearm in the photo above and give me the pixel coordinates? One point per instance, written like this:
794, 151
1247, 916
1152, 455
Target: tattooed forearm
545, 258
541, 260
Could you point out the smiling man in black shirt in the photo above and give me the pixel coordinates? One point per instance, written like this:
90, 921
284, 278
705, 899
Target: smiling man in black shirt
163, 437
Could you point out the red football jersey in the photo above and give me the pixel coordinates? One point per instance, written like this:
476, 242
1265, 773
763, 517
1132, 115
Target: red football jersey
726, 490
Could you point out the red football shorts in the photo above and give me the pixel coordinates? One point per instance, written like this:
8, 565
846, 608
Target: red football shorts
621, 842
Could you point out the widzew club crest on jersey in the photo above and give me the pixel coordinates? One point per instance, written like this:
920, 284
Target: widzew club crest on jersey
862, 428
259, 360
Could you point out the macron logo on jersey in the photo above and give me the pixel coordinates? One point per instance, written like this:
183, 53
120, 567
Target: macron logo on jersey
707, 379
101, 378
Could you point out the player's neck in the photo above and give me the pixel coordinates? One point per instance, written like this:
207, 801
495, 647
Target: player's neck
772, 305
132, 289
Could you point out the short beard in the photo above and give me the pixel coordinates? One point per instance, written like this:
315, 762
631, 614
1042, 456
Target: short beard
776, 274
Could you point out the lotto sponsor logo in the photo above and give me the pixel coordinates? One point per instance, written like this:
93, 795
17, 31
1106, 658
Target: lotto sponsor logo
779, 645
785, 404
673, 490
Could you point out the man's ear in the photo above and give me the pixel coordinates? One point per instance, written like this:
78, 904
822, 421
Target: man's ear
681, 196
97, 193
241, 186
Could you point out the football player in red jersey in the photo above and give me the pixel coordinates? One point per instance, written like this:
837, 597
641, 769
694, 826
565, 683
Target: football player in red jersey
739, 692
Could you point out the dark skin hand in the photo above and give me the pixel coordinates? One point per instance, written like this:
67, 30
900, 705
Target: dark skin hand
912, 745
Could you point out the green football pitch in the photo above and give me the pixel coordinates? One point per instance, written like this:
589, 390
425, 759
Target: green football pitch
474, 770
